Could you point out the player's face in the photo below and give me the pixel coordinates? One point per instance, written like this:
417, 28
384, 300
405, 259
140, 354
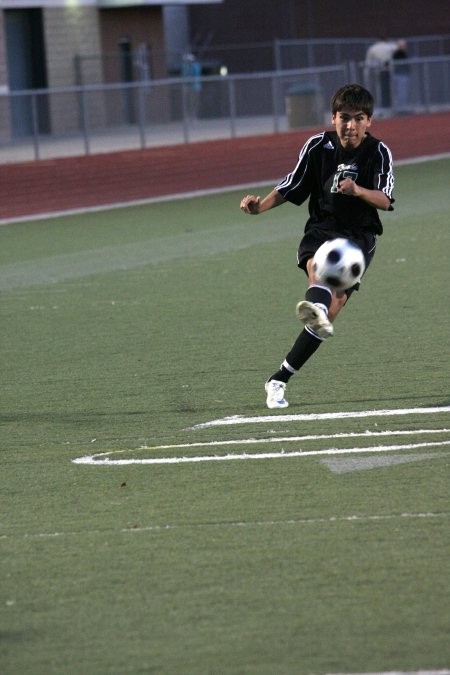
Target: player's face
351, 127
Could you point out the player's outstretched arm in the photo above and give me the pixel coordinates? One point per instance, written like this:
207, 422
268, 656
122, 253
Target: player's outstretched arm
254, 206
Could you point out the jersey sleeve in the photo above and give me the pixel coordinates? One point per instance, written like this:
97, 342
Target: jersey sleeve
296, 186
384, 173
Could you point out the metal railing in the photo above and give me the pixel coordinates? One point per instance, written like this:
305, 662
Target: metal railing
244, 58
47, 123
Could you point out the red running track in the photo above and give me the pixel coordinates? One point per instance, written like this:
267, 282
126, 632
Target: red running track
40, 187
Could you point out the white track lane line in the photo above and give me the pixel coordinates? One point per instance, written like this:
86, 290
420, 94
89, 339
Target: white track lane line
184, 195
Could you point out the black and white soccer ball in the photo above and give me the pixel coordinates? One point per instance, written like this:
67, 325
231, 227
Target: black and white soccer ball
339, 264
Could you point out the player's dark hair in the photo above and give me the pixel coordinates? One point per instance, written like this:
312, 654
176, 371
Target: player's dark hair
354, 97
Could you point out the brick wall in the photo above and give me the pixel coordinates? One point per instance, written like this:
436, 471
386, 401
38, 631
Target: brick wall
69, 32
235, 21
141, 27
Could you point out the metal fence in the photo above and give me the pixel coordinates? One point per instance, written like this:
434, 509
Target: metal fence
145, 63
49, 123
322, 51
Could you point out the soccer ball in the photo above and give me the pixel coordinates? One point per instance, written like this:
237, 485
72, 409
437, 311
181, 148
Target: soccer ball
339, 264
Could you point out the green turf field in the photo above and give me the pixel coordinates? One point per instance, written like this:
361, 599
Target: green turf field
131, 329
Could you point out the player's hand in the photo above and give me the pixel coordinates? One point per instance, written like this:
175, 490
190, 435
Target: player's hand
250, 204
348, 187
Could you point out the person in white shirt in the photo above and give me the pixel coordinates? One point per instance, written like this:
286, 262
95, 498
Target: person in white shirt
377, 72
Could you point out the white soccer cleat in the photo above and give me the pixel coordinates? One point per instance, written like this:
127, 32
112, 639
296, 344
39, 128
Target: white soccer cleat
314, 318
275, 394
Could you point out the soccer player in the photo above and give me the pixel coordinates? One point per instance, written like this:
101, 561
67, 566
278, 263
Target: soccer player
347, 176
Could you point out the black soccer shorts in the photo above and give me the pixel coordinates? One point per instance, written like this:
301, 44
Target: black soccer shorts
317, 235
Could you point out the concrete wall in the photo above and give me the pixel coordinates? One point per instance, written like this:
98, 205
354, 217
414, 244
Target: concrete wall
5, 114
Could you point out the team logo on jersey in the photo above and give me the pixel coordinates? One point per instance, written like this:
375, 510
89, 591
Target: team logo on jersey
329, 146
344, 171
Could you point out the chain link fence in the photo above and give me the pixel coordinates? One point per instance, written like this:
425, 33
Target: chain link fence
90, 119
145, 63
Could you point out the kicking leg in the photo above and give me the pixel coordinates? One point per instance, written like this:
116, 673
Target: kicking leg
319, 308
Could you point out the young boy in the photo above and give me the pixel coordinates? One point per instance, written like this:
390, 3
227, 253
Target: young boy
347, 176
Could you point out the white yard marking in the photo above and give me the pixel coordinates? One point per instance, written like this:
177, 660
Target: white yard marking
103, 458
315, 417
402, 672
233, 523
292, 439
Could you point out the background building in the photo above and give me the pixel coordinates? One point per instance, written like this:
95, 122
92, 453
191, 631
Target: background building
246, 21
54, 43
50, 45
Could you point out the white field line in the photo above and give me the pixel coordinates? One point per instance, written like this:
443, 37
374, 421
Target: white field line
182, 195
103, 458
234, 523
314, 417
401, 672
291, 439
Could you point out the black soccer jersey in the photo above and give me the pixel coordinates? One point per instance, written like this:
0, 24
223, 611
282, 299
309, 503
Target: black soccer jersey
322, 164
